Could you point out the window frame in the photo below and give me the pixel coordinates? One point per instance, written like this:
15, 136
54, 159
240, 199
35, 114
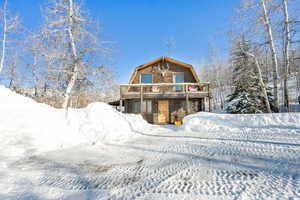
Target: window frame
146, 74
136, 107
174, 81
147, 106
174, 76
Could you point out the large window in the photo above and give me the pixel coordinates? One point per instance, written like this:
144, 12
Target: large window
178, 78
136, 107
146, 78
146, 106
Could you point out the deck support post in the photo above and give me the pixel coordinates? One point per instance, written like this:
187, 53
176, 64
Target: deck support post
121, 100
203, 105
125, 106
187, 99
142, 99
209, 100
120, 106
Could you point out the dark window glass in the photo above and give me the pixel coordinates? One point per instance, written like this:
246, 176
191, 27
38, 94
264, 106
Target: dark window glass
146, 78
178, 78
136, 107
147, 106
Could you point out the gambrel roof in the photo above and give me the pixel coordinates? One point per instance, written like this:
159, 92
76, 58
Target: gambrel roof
165, 59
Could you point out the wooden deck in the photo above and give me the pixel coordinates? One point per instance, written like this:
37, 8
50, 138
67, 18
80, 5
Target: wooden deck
192, 95
164, 91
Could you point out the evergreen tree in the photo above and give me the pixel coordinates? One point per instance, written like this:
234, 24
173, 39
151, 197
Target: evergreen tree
271, 101
246, 97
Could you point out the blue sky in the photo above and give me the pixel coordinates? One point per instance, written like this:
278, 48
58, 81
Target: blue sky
138, 29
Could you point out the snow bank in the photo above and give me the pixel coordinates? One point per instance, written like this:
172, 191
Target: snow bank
33, 126
225, 122
99, 122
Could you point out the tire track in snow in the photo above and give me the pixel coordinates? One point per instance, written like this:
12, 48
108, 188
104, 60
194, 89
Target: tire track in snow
188, 168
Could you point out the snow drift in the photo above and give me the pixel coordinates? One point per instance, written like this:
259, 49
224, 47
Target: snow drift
38, 127
226, 122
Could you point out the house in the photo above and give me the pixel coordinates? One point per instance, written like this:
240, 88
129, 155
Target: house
164, 91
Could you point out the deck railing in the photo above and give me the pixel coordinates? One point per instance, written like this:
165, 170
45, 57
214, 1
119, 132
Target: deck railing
164, 89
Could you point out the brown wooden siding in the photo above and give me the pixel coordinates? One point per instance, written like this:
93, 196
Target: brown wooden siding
177, 108
168, 77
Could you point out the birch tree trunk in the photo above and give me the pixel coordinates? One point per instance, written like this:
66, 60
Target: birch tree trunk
262, 85
287, 39
12, 70
35, 76
74, 72
273, 52
261, 82
4, 36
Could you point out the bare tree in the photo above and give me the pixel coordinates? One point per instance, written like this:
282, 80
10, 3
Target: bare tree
9, 25
269, 32
4, 35
273, 34
72, 50
35, 50
287, 40
12, 70
216, 70
72, 20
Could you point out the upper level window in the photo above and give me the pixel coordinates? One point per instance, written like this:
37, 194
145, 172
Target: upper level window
178, 78
146, 78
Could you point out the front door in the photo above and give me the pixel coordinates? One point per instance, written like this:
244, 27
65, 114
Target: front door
163, 111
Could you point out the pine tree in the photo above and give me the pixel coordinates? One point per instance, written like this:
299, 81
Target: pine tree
271, 101
246, 96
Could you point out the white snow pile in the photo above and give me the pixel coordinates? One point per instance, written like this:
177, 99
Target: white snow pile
39, 127
211, 122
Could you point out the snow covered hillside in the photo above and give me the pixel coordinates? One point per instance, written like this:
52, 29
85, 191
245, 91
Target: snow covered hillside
98, 153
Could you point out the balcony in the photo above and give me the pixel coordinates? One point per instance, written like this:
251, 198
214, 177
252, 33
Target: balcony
164, 90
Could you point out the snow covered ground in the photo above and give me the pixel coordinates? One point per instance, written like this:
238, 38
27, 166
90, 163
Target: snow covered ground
98, 153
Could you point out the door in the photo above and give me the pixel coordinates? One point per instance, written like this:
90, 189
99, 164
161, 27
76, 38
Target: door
163, 111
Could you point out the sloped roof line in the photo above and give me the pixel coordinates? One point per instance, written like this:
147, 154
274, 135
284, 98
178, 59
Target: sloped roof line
165, 59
